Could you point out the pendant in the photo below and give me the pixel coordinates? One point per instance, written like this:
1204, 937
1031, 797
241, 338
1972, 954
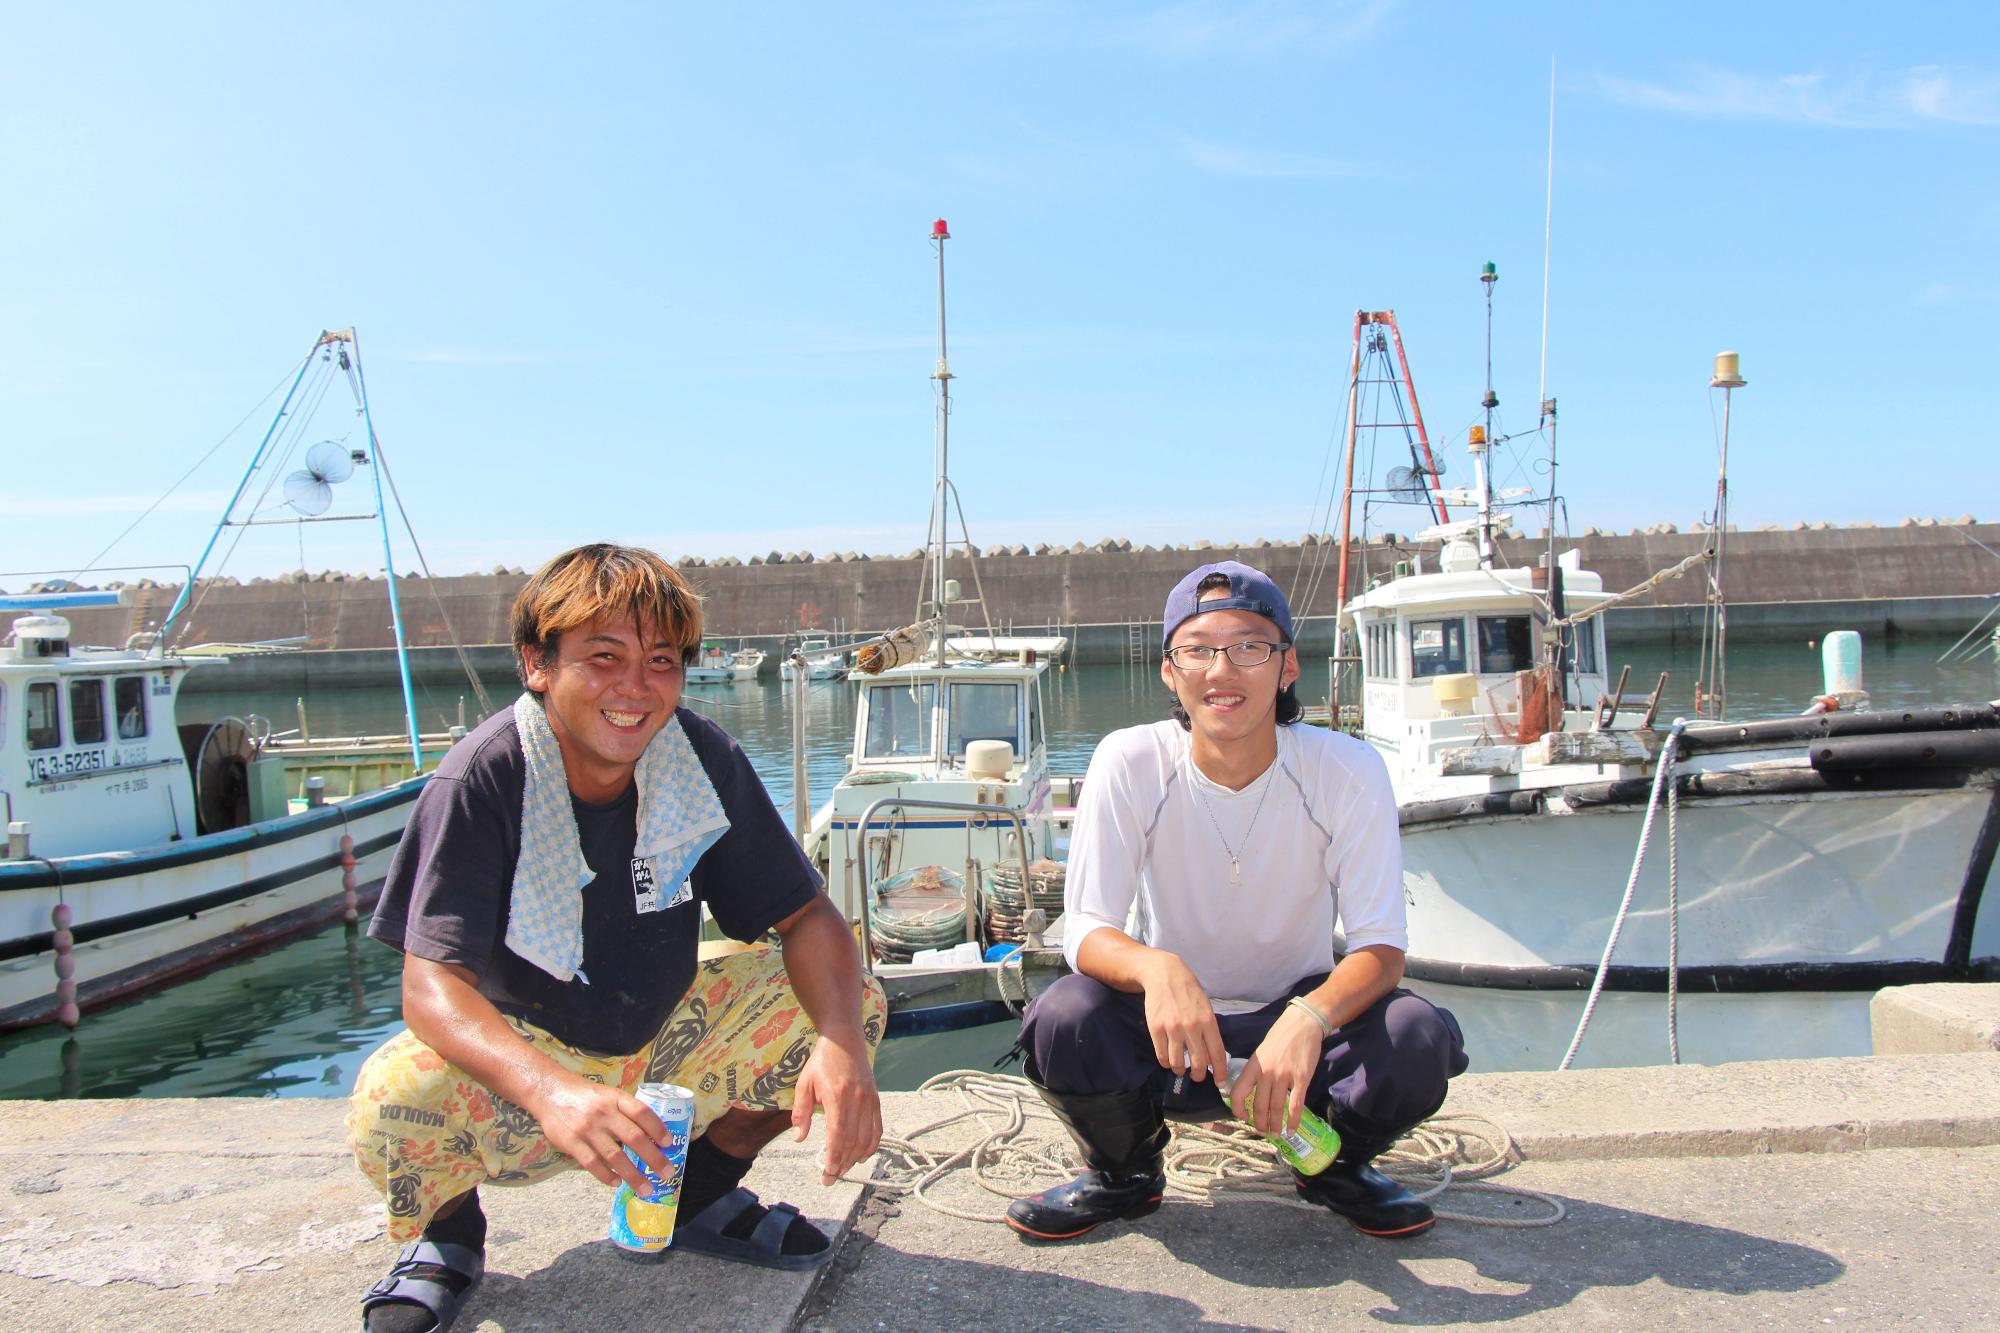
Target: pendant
1235, 871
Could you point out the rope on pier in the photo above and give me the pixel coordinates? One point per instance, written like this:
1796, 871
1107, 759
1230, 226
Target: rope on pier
997, 1133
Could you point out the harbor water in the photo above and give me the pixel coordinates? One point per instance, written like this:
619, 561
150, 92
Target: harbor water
297, 1021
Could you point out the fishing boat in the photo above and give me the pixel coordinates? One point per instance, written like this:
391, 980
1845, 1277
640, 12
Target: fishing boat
1592, 883
140, 849
746, 663
712, 666
941, 839
817, 658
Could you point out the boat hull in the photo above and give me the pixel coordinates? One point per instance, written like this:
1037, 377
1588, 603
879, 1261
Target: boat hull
143, 917
1793, 908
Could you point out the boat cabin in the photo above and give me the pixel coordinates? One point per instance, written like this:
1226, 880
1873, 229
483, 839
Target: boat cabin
90, 756
1443, 654
969, 732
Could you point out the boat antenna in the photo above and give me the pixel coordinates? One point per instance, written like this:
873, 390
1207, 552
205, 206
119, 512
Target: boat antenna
1548, 229
1548, 404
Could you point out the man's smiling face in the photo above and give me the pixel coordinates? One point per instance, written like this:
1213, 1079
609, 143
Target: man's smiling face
1226, 702
607, 693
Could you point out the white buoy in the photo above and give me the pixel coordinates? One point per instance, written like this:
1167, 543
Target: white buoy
1840, 673
1840, 662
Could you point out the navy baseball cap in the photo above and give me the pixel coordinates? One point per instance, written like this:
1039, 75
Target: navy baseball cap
1249, 590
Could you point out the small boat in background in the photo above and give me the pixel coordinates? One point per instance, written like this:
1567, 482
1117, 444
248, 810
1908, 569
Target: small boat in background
140, 849
746, 663
942, 840
711, 666
823, 661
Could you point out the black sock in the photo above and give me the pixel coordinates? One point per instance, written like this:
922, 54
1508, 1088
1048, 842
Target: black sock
466, 1225
712, 1173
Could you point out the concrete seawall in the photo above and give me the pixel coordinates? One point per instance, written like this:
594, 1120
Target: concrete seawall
1934, 578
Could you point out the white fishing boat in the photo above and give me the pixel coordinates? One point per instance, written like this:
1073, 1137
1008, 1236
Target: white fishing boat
1589, 882
821, 660
711, 666
941, 839
746, 663
139, 849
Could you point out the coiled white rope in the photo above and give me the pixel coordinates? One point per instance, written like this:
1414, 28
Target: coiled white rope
1662, 779
997, 1134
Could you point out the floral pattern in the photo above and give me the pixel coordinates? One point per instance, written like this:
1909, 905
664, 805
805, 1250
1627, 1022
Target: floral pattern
424, 1132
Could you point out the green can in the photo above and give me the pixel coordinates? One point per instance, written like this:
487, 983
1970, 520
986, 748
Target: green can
1308, 1151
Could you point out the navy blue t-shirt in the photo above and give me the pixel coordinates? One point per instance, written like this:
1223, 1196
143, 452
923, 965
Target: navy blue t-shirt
450, 881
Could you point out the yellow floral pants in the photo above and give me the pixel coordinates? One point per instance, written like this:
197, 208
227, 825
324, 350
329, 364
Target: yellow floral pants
424, 1132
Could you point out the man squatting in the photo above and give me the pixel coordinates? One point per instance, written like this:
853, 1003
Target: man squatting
1233, 840
547, 898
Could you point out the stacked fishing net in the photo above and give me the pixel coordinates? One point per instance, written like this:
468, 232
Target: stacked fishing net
918, 909
1007, 902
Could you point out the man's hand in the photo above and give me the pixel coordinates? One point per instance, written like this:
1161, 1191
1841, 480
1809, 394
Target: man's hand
840, 1082
1180, 1018
1279, 1073
592, 1125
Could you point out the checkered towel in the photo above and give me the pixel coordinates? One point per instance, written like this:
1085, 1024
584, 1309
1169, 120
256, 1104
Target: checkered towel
680, 817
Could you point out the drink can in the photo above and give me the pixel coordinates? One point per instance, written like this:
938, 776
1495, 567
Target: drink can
1311, 1149
644, 1224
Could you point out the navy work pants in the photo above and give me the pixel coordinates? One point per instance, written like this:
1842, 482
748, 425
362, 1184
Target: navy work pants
1384, 1071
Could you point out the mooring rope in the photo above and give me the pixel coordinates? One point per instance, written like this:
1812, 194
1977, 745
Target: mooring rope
1663, 779
997, 1133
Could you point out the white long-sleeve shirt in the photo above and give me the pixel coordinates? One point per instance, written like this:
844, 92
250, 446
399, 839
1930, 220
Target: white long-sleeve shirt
1150, 856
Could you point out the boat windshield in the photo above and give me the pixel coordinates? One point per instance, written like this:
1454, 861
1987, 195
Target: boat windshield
985, 711
899, 720
1505, 643
1437, 647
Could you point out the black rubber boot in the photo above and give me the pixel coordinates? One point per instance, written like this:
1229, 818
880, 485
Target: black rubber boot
1123, 1139
1371, 1202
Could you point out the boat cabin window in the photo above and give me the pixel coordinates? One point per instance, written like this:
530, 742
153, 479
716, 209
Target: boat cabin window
1379, 650
1437, 647
44, 722
86, 711
1035, 736
987, 711
899, 721
1506, 643
128, 697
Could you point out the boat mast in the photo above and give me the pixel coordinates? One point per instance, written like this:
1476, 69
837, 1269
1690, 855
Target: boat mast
1728, 377
388, 555
940, 518
1477, 447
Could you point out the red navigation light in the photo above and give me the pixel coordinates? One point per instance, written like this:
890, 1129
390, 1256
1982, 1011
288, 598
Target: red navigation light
939, 232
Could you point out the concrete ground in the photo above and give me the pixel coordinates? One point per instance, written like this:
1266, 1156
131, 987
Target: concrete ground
1783, 1194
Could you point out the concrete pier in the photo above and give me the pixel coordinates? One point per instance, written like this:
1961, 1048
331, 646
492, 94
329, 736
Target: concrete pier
1786, 1194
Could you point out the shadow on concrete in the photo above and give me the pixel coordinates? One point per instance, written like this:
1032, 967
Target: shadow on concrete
1461, 1272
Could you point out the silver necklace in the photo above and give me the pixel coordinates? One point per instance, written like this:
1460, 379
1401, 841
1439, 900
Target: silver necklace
1235, 862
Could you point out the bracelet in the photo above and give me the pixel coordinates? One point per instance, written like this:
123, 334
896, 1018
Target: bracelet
1301, 1002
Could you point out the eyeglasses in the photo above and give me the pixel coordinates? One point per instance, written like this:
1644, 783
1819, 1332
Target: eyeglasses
1200, 656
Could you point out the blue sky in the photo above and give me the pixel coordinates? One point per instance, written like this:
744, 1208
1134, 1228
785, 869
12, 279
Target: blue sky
659, 273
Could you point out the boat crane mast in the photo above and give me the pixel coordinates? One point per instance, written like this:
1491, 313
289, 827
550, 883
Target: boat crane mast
1381, 334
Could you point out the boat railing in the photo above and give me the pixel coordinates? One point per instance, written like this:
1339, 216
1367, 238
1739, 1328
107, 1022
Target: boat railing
1006, 812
